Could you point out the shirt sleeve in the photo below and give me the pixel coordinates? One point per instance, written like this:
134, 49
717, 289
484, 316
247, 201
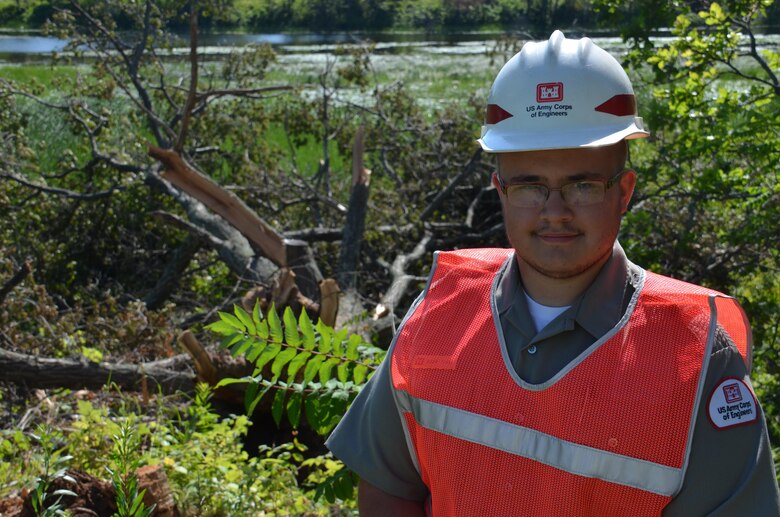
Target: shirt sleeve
370, 440
730, 471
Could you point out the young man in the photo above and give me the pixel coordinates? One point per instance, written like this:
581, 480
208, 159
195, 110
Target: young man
556, 377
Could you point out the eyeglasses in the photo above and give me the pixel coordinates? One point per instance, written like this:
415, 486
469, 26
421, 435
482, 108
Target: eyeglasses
576, 193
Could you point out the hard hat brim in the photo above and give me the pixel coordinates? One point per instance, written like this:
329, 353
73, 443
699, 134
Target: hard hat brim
495, 141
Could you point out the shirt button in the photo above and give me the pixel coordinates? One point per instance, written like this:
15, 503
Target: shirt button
532, 349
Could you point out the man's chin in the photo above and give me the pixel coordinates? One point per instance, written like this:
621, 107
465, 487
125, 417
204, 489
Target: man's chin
561, 269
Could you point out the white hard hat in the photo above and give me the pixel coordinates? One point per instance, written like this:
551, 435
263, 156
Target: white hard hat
560, 94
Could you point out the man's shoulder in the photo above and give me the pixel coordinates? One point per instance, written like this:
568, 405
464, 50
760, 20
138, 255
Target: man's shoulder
667, 284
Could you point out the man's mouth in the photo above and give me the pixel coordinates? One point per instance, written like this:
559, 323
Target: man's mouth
557, 237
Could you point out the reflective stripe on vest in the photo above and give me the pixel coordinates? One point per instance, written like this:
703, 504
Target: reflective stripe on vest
609, 435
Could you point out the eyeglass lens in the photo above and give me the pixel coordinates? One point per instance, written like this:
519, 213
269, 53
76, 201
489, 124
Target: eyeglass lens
580, 193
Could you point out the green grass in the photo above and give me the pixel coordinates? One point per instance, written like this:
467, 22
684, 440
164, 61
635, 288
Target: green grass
31, 76
308, 155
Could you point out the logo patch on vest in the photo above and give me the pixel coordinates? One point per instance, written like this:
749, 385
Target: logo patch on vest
732, 403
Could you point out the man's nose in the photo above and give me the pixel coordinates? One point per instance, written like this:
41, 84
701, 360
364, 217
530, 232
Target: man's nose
556, 208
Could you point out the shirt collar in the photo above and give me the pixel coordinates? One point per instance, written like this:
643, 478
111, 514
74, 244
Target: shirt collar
598, 309
603, 302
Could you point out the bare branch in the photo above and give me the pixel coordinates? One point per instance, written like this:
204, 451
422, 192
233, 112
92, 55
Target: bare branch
91, 196
755, 54
187, 110
145, 102
194, 230
401, 279
242, 92
467, 171
15, 280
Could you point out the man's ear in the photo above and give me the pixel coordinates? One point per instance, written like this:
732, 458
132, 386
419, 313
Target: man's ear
495, 182
626, 184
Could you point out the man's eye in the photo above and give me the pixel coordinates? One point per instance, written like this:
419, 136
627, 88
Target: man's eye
531, 188
585, 186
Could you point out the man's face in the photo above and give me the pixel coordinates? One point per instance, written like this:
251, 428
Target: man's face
558, 240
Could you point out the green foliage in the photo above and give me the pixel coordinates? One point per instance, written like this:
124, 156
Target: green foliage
129, 501
537, 16
15, 449
706, 208
313, 370
209, 470
333, 480
212, 474
51, 465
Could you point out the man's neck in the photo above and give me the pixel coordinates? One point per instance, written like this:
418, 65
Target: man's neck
557, 292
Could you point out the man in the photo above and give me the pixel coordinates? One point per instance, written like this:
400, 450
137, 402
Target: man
558, 378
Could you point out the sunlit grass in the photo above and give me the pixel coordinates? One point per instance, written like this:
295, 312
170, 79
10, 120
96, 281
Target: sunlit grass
306, 158
36, 75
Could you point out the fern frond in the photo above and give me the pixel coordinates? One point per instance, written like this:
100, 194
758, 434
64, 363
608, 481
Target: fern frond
312, 369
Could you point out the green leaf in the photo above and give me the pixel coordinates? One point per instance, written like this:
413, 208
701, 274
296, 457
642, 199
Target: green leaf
138, 503
326, 335
307, 330
326, 344
281, 360
359, 374
342, 372
313, 412
262, 330
241, 347
277, 407
312, 369
323, 413
294, 405
344, 485
327, 367
291, 328
275, 326
232, 380
257, 315
269, 353
338, 342
352, 347
252, 404
230, 340
244, 318
232, 321
296, 364
257, 348
222, 327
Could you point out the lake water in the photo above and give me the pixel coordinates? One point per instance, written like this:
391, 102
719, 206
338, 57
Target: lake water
31, 47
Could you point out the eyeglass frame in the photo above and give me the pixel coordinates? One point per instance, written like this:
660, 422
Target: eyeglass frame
608, 183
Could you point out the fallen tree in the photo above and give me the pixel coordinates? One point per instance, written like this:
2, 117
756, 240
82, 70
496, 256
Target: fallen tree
168, 375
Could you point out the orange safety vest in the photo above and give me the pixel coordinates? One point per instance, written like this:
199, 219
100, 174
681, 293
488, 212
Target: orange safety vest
607, 436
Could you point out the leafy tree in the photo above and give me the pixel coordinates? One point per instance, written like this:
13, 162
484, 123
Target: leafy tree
707, 206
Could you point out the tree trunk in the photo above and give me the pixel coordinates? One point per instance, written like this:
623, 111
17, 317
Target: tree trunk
356, 217
44, 372
180, 259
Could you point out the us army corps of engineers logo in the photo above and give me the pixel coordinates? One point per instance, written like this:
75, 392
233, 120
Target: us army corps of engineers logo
549, 102
732, 403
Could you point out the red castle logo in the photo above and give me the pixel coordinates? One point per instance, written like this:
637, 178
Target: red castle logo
549, 92
732, 393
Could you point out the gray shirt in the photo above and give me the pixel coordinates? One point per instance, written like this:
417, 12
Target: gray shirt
730, 472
